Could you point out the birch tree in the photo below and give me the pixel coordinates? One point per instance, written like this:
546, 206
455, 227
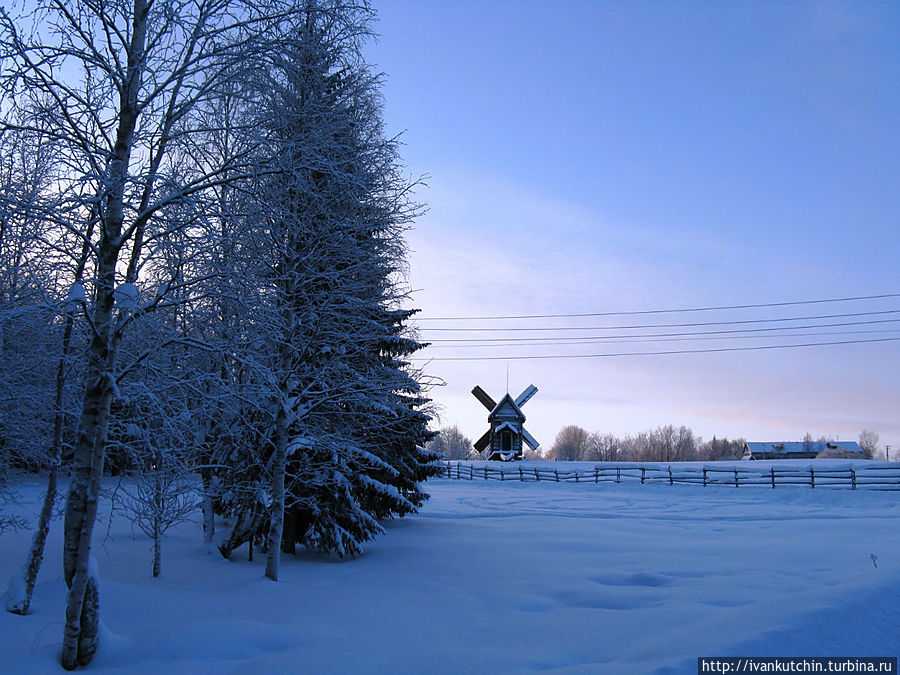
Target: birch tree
34, 289
113, 85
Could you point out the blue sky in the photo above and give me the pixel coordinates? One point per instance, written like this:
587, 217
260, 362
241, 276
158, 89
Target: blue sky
619, 156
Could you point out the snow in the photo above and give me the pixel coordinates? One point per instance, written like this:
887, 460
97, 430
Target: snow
76, 294
127, 296
15, 593
500, 577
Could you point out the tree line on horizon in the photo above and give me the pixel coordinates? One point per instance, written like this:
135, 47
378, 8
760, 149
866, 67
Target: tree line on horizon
666, 443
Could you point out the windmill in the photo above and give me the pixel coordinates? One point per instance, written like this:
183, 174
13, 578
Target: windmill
507, 433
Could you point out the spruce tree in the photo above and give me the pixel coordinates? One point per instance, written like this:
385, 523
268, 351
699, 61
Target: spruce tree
347, 416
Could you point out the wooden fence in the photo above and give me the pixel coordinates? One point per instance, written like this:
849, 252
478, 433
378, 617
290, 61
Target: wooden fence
848, 477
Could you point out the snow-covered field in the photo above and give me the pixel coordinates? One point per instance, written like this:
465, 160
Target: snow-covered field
501, 577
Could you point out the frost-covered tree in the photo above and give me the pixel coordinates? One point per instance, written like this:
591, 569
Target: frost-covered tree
570, 445
342, 435
868, 441
157, 497
721, 449
28, 303
114, 85
666, 443
603, 448
36, 329
451, 443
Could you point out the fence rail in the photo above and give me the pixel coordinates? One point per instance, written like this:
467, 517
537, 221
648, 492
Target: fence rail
853, 477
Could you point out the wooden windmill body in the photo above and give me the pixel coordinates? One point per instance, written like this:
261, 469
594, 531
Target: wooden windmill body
507, 434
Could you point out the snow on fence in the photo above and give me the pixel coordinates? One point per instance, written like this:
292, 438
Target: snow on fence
849, 477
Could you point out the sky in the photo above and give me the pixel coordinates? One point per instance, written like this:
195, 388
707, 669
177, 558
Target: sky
597, 157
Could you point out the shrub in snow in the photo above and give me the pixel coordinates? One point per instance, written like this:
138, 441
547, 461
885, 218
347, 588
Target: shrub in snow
156, 499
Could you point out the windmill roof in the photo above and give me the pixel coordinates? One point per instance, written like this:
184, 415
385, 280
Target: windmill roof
507, 400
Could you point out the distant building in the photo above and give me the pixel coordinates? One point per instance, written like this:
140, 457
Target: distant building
803, 450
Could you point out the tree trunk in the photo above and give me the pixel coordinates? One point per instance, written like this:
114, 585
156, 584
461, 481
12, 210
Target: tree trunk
82, 604
289, 532
276, 519
20, 603
80, 636
88, 457
158, 506
89, 635
209, 516
157, 554
244, 531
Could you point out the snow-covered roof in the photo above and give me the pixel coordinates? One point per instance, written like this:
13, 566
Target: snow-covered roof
507, 400
506, 425
796, 447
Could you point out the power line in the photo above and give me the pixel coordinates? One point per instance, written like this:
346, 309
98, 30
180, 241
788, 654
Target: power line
564, 338
639, 339
667, 325
657, 353
661, 311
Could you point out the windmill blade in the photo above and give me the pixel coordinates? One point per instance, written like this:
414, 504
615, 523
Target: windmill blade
530, 391
482, 396
484, 441
529, 439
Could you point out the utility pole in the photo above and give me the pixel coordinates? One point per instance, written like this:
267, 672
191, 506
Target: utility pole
887, 453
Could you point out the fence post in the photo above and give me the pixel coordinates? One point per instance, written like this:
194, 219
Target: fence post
704, 476
852, 477
501, 475
670, 475
812, 477
642, 475
537, 476
773, 477
618, 474
576, 475
596, 475
735, 478
556, 473
521, 477
485, 473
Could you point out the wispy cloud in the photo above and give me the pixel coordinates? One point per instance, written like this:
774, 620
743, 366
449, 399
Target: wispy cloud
489, 246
